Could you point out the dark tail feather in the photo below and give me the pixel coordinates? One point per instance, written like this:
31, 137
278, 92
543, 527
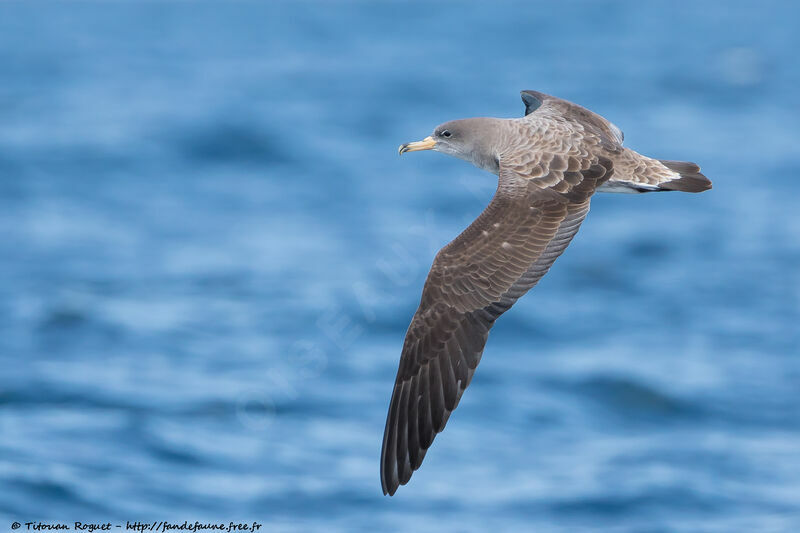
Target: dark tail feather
691, 180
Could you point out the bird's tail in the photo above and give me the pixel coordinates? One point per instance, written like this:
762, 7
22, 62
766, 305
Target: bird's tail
634, 172
689, 179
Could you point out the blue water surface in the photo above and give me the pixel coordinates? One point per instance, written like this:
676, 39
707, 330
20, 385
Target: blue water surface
211, 251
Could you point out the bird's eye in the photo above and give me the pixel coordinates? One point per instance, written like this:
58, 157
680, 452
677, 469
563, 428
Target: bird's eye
446, 133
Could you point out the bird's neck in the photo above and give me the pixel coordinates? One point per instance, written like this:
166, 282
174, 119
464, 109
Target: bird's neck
486, 161
484, 154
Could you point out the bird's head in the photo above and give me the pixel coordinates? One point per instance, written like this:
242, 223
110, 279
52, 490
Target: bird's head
471, 139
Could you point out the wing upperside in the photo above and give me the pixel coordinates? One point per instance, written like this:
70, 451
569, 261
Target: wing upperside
543, 104
473, 280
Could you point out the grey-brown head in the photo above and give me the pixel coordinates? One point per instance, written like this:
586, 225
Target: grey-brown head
470, 139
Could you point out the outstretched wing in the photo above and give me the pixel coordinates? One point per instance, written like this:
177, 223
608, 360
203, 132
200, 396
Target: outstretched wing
544, 104
473, 280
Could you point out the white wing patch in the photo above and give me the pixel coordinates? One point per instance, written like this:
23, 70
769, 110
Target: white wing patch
618, 135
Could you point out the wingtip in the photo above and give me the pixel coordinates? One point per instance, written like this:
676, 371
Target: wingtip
532, 100
388, 488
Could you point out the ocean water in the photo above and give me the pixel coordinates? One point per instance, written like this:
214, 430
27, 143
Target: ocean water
211, 251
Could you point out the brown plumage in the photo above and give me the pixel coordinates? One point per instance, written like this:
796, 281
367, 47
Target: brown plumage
549, 163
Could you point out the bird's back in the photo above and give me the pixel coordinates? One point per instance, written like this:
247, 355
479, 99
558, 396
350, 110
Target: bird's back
564, 127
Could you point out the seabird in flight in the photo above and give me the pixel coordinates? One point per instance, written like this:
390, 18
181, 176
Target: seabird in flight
549, 164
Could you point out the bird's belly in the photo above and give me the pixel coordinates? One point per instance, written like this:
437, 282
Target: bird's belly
625, 187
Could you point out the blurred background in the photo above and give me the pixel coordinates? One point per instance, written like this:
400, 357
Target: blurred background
211, 251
